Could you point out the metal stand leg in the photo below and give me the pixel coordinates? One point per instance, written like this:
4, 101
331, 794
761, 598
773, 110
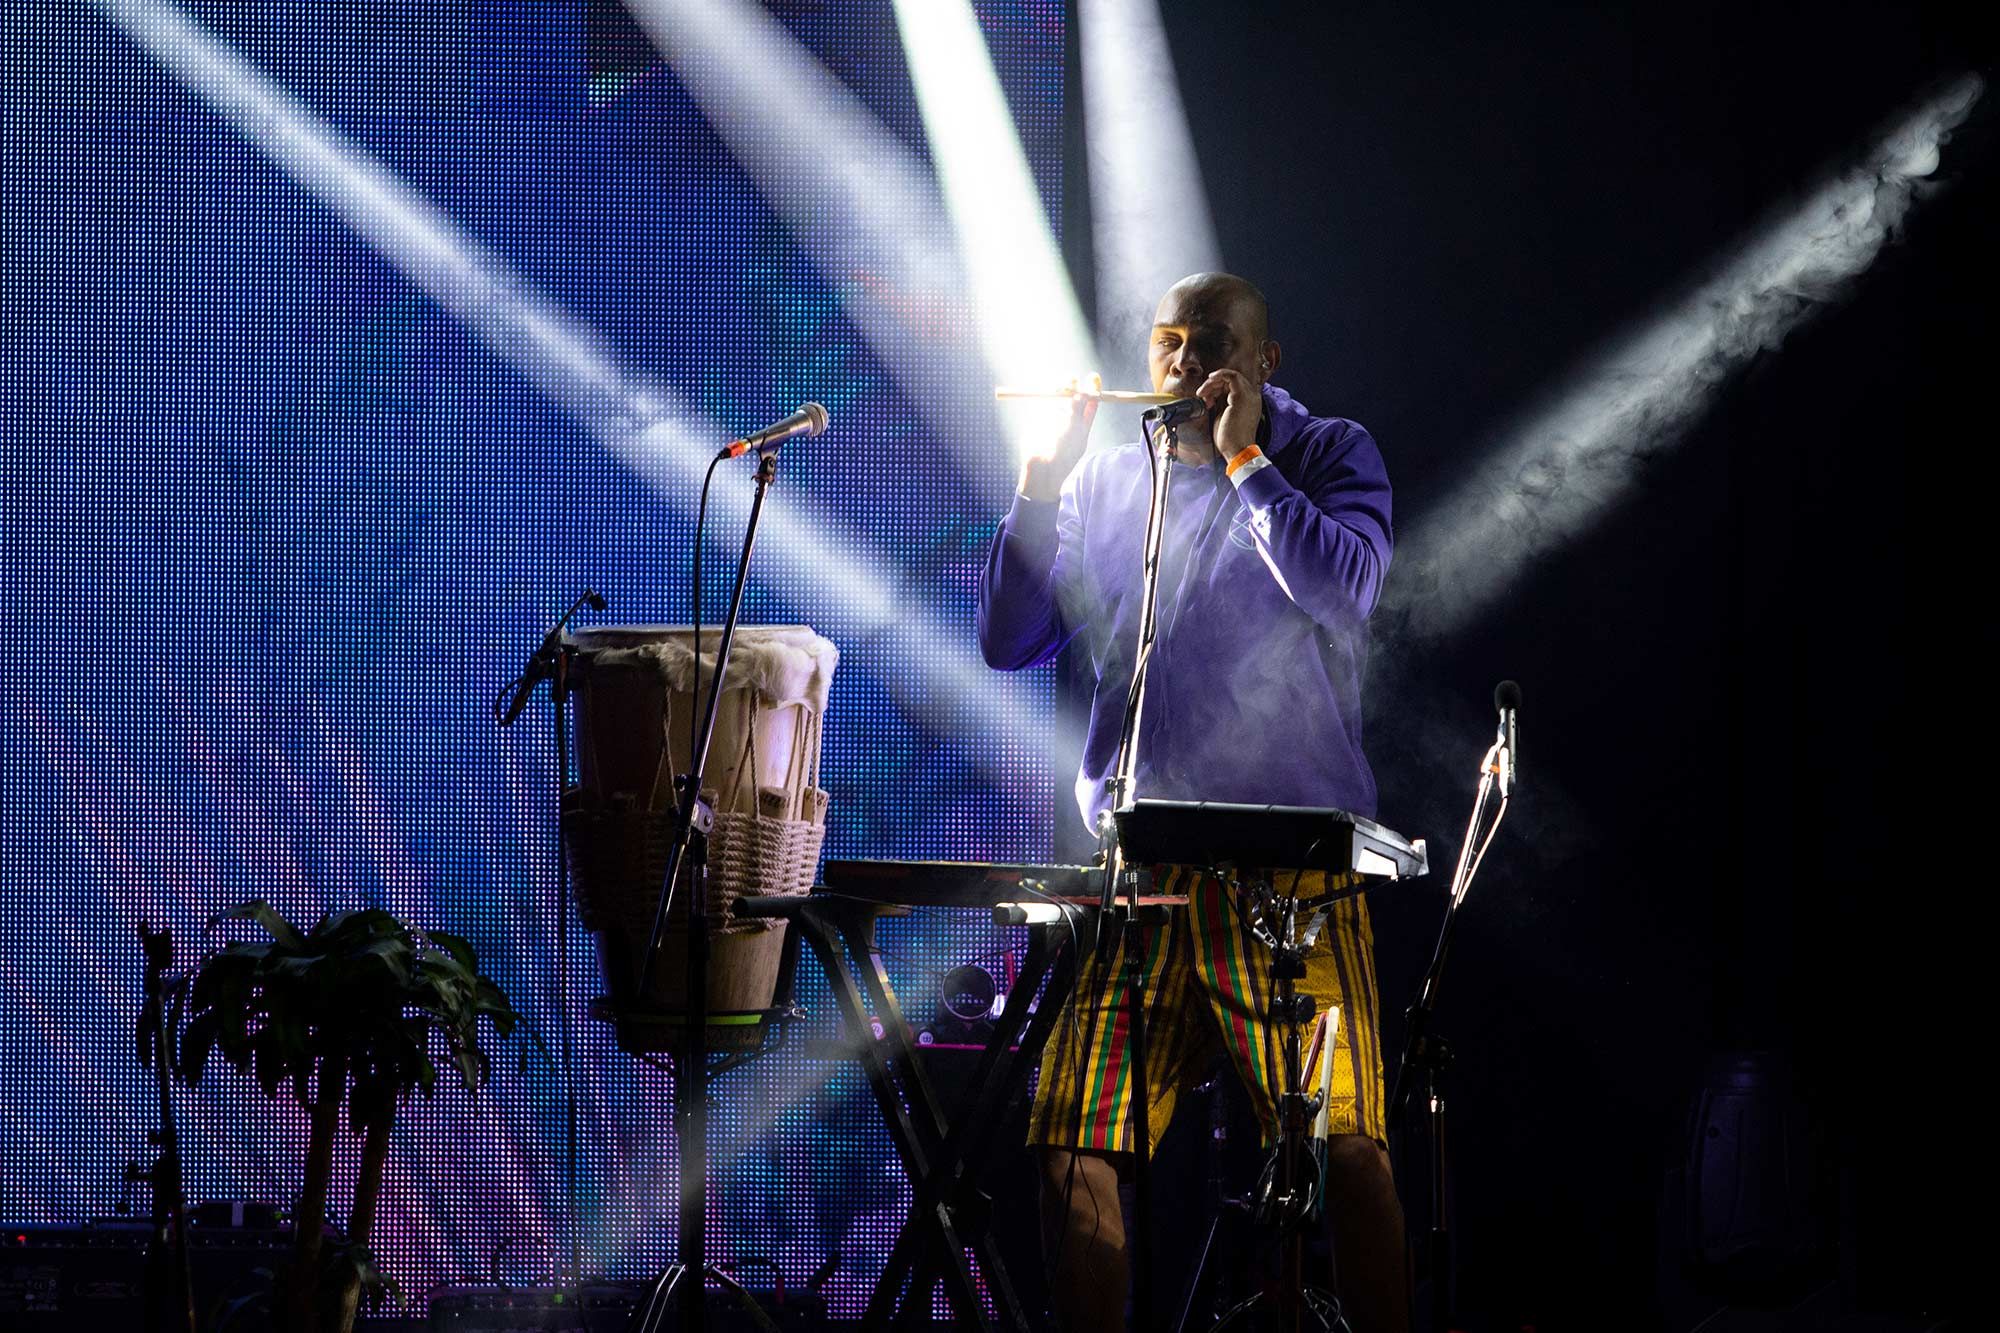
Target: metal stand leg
1440, 1232
1288, 1200
1142, 1127
836, 930
975, 1120
948, 1215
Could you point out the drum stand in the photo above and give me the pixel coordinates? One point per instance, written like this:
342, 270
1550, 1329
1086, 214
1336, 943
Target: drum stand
691, 1272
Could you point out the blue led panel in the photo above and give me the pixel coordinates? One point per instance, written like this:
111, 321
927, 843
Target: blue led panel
293, 483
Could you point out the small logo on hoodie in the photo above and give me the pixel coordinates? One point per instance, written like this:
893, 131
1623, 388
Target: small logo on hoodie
1239, 529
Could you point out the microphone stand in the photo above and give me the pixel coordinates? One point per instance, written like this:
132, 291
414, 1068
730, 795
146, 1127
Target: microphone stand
550, 662
1425, 1054
690, 848
1159, 451
169, 1275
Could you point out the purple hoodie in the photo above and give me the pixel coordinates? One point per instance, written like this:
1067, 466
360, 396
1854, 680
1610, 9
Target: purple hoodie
1266, 584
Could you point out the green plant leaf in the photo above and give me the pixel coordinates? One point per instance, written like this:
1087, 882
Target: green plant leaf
261, 912
458, 949
384, 1008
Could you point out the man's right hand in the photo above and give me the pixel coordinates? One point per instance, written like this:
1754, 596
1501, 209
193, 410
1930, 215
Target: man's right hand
1043, 474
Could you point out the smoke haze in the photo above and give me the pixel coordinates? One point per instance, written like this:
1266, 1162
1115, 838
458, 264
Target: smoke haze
1571, 462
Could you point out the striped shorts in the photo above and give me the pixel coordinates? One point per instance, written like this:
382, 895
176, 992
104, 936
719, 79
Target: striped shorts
1207, 983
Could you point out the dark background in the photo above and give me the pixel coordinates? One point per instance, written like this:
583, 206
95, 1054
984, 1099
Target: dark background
1754, 694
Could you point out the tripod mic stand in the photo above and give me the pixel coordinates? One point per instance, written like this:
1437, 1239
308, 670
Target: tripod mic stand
1425, 1054
691, 1272
550, 662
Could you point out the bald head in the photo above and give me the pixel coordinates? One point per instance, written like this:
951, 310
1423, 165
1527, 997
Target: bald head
1217, 298
1208, 322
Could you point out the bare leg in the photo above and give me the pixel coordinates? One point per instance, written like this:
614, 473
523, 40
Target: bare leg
1367, 1235
1083, 1239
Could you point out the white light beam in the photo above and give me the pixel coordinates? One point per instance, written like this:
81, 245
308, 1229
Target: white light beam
1569, 464
1150, 223
857, 201
645, 425
1030, 324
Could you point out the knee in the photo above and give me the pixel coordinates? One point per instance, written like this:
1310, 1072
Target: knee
1082, 1188
1356, 1161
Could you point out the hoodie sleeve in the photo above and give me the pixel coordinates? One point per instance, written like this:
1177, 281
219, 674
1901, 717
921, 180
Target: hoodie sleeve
1021, 619
1327, 538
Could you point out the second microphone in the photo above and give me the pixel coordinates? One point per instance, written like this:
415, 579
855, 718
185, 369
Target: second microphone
810, 419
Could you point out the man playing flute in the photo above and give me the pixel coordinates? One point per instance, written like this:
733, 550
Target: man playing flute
1277, 540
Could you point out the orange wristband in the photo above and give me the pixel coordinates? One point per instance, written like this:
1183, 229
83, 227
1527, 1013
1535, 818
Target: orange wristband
1241, 460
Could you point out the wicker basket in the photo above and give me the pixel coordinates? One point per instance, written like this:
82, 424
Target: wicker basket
618, 858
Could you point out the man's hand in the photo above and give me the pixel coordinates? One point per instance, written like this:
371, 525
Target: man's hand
1043, 474
1235, 410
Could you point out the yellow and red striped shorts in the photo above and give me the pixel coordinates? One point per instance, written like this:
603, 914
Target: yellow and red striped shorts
1208, 982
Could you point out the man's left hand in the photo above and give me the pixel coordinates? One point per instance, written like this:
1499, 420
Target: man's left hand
1235, 409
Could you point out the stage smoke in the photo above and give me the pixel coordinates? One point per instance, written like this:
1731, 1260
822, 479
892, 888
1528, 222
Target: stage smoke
1569, 464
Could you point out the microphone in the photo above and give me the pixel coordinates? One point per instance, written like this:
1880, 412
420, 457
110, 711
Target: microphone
810, 419
1181, 409
1507, 699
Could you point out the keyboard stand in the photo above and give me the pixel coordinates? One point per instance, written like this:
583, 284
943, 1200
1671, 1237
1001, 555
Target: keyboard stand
942, 1156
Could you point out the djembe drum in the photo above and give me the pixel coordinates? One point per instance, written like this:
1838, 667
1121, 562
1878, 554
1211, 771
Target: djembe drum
634, 696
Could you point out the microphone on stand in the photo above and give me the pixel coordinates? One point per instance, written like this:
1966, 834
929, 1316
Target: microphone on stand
810, 419
546, 664
1181, 409
1507, 699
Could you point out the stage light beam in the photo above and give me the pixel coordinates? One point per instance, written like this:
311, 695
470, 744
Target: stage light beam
1030, 323
1568, 464
1150, 223
645, 425
860, 204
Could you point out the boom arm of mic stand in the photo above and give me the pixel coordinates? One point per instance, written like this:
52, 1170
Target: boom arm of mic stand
546, 664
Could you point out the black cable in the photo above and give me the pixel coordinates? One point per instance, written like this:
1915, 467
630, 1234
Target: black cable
1144, 655
700, 521
694, 690
1156, 518
559, 696
1139, 661
1084, 974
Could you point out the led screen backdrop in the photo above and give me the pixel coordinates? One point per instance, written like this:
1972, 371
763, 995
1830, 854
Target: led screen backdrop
347, 342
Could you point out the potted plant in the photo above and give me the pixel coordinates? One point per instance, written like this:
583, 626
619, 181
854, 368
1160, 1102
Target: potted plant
355, 1014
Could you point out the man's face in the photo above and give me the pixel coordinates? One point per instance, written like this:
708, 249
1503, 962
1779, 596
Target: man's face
1196, 332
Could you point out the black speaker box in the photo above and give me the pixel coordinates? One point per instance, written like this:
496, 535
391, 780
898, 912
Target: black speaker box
91, 1277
